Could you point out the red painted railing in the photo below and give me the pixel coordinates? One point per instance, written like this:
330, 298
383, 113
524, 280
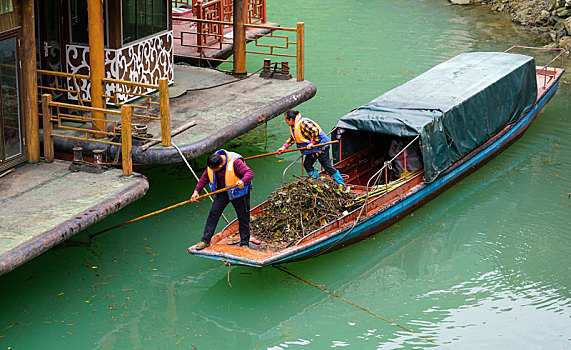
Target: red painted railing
549, 70
181, 3
208, 32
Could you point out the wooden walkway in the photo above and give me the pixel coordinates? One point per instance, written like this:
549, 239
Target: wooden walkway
44, 204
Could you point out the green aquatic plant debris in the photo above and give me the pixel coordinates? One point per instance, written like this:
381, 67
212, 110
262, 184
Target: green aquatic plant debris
299, 208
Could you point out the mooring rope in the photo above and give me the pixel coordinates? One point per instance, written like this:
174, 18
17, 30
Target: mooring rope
359, 307
222, 84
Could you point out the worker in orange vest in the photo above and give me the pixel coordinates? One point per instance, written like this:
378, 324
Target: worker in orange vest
307, 133
225, 169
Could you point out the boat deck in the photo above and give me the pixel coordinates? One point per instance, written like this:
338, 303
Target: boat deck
44, 204
225, 244
545, 78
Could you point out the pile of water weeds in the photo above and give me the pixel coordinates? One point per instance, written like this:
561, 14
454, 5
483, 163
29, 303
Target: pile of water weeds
299, 208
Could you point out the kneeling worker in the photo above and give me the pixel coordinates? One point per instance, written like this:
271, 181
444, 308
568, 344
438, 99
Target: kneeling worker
306, 133
225, 169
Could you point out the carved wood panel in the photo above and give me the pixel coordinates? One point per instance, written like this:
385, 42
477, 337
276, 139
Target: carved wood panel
143, 61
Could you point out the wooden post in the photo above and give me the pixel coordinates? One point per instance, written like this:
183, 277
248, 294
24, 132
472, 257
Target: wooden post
48, 128
197, 10
300, 51
240, 9
264, 18
30, 82
96, 61
165, 111
126, 142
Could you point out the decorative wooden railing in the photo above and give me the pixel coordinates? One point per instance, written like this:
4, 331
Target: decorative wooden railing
63, 114
210, 32
181, 3
282, 46
286, 44
114, 92
256, 12
220, 13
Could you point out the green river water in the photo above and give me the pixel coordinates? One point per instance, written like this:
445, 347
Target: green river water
483, 266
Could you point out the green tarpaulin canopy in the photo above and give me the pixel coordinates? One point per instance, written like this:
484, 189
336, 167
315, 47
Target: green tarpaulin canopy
454, 107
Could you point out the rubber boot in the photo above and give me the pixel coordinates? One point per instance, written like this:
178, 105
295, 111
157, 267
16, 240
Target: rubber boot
338, 178
313, 174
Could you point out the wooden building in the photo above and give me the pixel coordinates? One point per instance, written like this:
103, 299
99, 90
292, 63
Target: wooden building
18, 109
128, 40
72, 63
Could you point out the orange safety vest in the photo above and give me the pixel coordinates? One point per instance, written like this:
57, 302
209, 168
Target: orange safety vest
301, 141
230, 177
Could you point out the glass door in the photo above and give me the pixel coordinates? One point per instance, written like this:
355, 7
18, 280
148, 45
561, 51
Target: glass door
11, 134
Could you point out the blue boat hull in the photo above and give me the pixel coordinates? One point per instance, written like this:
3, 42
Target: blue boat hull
377, 222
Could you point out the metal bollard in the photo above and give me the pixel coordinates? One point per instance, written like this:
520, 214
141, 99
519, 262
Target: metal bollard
139, 129
267, 65
285, 67
98, 157
77, 154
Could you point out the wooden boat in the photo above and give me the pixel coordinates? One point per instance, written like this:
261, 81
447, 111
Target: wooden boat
458, 115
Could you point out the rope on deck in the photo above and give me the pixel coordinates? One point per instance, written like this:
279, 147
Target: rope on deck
359, 307
222, 84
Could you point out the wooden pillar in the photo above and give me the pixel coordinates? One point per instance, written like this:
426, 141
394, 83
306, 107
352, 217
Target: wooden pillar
165, 111
300, 51
30, 83
126, 139
96, 60
240, 11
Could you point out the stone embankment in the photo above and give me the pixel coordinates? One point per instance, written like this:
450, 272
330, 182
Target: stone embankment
550, 17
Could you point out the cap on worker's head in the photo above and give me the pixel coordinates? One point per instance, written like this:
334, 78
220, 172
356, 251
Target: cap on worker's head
214, 161
291, 114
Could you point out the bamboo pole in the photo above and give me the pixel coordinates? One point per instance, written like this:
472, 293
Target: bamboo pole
48, 128
163, 210
300, 75
126, 113
96, 61
165, 111
30, 81
7, 172
290, 150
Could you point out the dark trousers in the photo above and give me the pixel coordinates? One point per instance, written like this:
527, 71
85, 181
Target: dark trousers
241, 206
323, 159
